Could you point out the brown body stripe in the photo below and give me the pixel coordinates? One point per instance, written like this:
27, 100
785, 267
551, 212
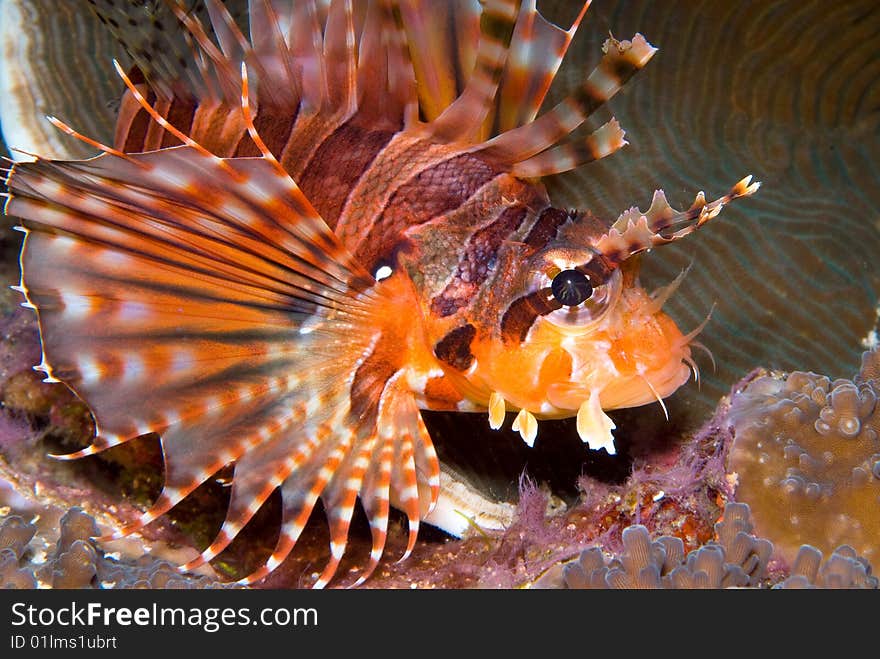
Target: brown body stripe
477, 262
546, 227
180, 115
522, 313
273, 130
136, 132
455, 348
431, 193
337, 166
142, 131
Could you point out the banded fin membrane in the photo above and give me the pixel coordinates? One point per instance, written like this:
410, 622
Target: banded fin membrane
204, 300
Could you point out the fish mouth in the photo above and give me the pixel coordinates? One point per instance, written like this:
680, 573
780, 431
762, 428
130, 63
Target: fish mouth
488, 463
643, 389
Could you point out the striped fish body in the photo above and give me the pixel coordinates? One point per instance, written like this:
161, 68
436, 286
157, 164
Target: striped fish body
303, 236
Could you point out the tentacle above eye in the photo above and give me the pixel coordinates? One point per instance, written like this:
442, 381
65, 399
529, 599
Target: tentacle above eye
635, 231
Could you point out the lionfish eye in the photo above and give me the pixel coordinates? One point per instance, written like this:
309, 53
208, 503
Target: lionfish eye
571, 287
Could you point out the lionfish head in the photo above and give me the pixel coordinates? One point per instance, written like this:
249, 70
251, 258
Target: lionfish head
567, 328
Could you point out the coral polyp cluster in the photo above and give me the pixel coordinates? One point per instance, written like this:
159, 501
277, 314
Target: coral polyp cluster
735, 559
844, 569
75, 562
806, 457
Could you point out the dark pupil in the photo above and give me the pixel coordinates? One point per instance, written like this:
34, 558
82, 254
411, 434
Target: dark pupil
571, 287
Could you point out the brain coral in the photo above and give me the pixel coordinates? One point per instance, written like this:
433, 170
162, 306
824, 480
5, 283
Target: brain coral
806, 456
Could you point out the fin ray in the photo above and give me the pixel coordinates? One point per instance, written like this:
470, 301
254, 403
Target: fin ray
210, 311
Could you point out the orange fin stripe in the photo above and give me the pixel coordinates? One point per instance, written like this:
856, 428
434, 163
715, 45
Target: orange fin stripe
259, 471
339, 500
538, 48
175, 239
299, 494
404, 483
375, 500
463, 119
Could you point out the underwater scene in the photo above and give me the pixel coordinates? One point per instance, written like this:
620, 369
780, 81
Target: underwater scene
459, 294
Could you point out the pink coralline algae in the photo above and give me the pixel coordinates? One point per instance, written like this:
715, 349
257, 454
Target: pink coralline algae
806, 458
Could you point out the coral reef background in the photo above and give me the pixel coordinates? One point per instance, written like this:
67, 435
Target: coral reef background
785, 90
806, 454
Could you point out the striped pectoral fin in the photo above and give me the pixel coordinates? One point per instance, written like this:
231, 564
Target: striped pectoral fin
196, 449
383, 458
395, 464
206, 301
416, 474
327, 457
271, 452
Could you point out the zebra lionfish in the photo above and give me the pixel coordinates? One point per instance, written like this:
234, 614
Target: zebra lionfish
303, 235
